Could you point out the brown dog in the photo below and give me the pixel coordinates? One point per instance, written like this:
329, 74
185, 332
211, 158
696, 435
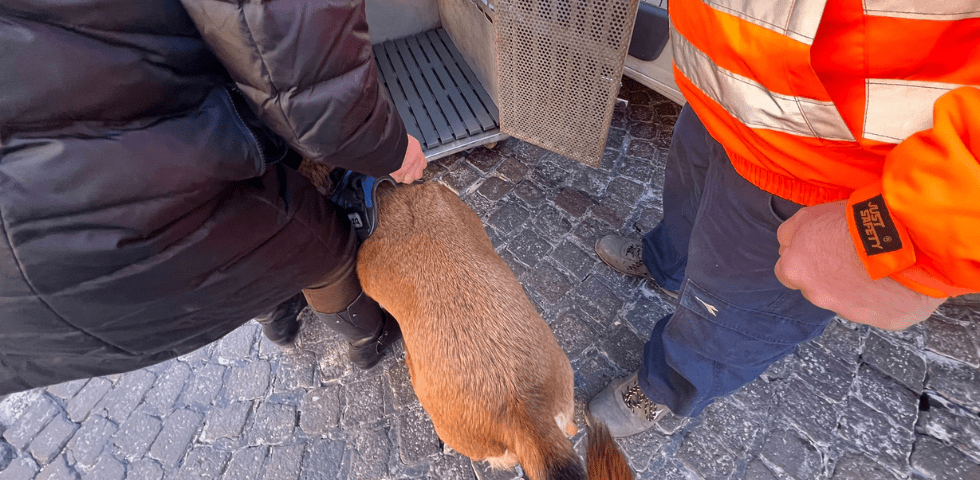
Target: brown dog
484, 364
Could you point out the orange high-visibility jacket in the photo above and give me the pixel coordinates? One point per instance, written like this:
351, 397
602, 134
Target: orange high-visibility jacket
874, 101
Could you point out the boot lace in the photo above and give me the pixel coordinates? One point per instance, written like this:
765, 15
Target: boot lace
635, 251
634, 398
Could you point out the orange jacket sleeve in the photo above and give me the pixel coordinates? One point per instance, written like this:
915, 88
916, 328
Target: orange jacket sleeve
921, 224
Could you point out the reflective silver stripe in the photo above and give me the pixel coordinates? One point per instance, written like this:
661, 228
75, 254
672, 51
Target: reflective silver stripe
795, 19
752, 104
924, 9
899, 108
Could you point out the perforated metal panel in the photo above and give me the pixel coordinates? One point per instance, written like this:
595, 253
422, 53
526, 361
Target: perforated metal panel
560, 64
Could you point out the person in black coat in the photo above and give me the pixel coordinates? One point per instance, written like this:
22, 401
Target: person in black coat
147, 204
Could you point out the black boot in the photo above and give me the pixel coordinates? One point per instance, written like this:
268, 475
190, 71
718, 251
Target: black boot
368, 329
281, 325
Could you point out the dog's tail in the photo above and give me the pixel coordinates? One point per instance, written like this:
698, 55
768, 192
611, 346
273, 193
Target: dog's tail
605, 460
549, 455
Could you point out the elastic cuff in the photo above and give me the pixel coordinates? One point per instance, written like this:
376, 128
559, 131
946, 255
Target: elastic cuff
881, 241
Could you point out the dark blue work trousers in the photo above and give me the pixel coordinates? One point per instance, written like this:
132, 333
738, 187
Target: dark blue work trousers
717, 245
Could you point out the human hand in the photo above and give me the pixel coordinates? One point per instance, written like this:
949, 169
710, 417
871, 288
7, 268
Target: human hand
413, 165
817, 257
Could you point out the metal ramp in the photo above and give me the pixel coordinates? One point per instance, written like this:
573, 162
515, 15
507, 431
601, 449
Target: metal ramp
436, 93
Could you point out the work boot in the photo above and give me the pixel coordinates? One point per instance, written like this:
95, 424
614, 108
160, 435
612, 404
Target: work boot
625, 409
625, 255
281, 325
367, 327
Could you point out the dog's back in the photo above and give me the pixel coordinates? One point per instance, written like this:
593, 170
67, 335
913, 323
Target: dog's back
483, 363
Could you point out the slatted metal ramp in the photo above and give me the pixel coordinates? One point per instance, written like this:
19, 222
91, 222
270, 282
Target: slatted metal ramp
437, 94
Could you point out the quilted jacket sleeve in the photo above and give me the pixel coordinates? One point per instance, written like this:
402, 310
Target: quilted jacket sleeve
309, 73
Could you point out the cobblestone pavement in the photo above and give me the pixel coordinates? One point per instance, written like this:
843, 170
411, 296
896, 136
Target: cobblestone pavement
856, 403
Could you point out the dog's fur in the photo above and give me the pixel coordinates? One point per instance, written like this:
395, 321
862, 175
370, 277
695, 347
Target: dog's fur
484, 364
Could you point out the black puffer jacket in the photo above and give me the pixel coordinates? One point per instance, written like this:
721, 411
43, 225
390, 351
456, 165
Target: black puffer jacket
141, 214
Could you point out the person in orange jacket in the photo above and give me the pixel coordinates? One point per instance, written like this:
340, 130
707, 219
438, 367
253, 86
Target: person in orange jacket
826, 163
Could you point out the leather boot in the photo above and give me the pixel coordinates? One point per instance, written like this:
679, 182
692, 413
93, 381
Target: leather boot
367, 327
281, 325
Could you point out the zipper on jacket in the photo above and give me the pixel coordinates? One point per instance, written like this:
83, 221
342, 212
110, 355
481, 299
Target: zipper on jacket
232, 92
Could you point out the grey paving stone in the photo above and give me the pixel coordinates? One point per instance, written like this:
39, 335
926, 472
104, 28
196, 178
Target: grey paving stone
273, 424
577, 261
896, 361
168, 386
174, 440
480, 204
641, 113
554, 170
370, 454
952, 425
515, 266
551, 222
7, 454
108, 468
591, 229
841, 342
203, 387
523, 151
614, 142
494, 188
483, 471
529, 247
648, 218
399, 380
52, 439
573, 201
249, 381
320, 411
120, 402
144, 469
859, 467
956, 382
829, 376
951, 340
800, 405
876, 434
737, 429
57, 470
512, 169
625, 190
886, 395
756, 470
572, 334
705, 455
612, 211
296, 370
30, 423
363, 405
597, 302
545, 281
592, 373
530, 193
91, 440
451, 467
643, 131
592, 182
136, 434
85, 400
641, 448
333, 362
460, 177
246, 463
66, 390
641, 148
483, 158
649, 308
237, 345
225, 420
20, 469
939, 461
793, 453
417, 437
509, 217
623, 347
325, 460
202, 462
283, 462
